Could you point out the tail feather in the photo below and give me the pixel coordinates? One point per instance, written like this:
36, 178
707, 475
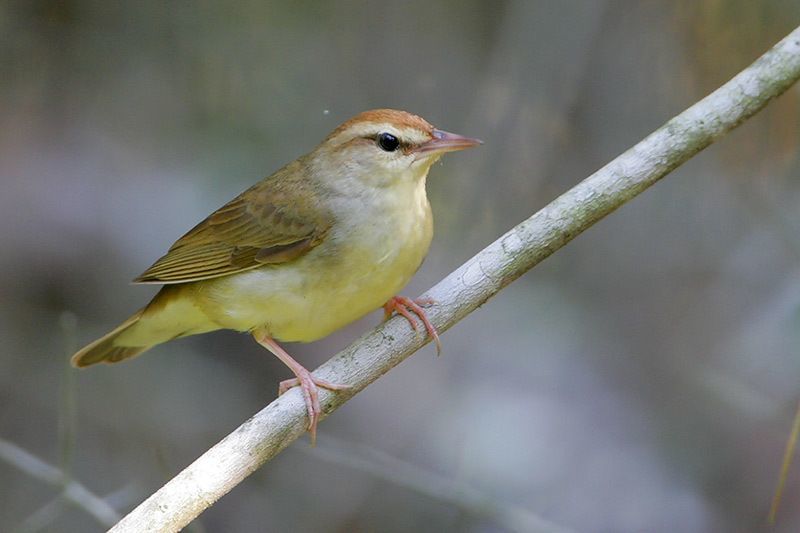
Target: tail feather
106, 349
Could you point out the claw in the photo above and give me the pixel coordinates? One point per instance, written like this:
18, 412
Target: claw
307, 382
405, 306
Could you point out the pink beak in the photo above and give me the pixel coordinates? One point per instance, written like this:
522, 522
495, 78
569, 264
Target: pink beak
444, 141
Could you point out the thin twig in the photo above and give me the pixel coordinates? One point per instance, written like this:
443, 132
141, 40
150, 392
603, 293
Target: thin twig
272, 429
791, 443
43, 517
402, 473
73, 491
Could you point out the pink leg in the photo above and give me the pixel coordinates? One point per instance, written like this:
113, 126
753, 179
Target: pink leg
308, 383
405, 306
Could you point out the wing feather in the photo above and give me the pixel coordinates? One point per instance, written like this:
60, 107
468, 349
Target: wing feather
270, 223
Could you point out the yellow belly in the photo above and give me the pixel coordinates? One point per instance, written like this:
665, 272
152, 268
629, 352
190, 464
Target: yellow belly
354, 272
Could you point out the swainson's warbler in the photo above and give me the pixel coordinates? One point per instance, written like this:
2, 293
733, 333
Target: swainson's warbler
325, 240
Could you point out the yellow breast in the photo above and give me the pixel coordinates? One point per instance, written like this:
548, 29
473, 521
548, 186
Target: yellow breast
368, 257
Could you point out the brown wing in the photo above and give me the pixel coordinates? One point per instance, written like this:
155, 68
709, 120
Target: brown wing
267, 224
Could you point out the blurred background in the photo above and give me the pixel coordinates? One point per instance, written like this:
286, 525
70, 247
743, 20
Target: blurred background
641, 379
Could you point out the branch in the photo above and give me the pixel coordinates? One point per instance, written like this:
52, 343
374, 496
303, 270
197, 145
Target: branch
73, 491
410, 476
273, 428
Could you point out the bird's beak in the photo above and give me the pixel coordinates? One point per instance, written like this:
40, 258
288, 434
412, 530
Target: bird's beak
444, 141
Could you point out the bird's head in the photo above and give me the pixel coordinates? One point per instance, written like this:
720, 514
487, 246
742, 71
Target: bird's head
385, 147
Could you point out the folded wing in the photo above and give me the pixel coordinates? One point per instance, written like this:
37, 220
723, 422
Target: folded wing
275, 221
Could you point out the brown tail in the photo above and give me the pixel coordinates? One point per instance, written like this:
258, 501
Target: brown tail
104, 349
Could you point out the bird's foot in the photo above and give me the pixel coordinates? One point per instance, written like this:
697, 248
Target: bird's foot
405, 306
309, 385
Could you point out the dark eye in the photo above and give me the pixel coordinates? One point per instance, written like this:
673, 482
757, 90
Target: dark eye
388, 142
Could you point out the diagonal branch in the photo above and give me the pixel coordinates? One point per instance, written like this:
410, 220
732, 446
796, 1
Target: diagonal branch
73, 491
273, 428
436, 487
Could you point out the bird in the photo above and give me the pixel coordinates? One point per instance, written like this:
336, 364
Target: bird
325, 240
